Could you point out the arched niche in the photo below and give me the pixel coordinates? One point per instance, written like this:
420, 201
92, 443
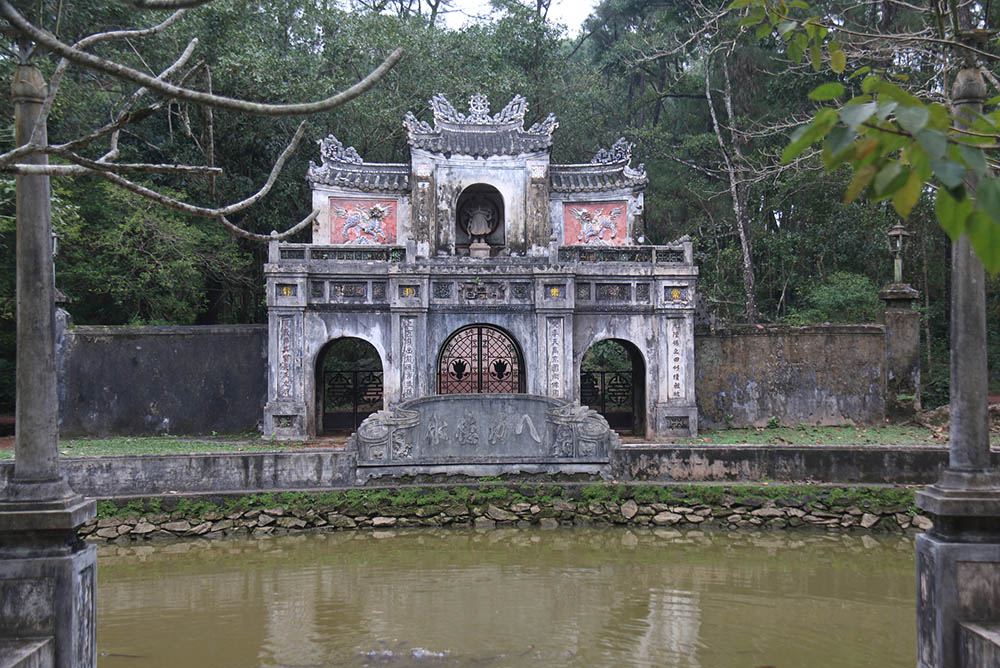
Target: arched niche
480, 220
613, 383
480, 359
349, 384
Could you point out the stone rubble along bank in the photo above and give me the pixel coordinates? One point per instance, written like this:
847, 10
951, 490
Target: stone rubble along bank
318, 514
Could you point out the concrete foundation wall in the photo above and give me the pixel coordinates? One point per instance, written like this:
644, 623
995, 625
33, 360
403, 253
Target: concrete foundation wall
916, 465
832, 374
196, 474
317, 469
156, 380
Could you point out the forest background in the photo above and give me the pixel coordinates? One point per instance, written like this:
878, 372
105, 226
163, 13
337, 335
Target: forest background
708, 105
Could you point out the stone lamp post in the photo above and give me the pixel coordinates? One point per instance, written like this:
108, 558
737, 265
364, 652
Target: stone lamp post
897, 236
958, 561
902, 336
47, 574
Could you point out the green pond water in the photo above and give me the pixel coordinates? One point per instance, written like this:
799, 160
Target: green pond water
517, 597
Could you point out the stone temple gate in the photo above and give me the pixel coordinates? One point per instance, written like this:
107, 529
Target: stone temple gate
480, 268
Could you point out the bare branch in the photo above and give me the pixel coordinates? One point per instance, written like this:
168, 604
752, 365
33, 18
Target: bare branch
117, 70
167, 4
85, 166
272, 177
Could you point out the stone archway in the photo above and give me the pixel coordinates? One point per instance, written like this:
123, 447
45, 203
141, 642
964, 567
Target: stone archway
480, 359
613, 383
349, 384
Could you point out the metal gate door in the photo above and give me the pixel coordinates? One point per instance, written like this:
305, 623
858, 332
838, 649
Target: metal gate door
349, 397
480, 360
612, 394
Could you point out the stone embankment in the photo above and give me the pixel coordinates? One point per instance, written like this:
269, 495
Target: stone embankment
856, 509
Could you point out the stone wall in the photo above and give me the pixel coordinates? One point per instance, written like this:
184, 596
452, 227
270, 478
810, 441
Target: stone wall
159, 380
196, 380
831, 374
545, 506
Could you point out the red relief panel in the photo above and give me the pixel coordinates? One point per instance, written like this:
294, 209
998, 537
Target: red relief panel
362, 221
595, 223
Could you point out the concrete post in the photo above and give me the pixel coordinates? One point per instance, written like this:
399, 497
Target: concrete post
958, 561
902, 350
47, 574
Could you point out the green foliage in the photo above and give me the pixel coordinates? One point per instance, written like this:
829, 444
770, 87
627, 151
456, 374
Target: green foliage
137, 262
894, 142
841, 297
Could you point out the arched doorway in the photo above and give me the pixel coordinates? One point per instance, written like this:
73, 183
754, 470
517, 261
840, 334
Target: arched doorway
613, 383
348, 384
480, 359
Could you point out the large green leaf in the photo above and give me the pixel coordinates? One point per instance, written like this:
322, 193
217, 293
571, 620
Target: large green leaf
949, 172
974, 158
861, 179
952, 213
913, 119
828, 91
889, 178
907, 195
854, 115
984, 236
988, 198
934, 142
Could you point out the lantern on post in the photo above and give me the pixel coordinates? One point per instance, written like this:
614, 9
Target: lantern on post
897, 237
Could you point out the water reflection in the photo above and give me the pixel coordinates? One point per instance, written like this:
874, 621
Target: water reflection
564, 597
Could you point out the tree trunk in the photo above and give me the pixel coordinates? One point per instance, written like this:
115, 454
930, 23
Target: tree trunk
735, 170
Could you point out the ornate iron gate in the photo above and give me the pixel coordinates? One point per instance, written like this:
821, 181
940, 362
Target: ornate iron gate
349, 397
612, 394
480, 359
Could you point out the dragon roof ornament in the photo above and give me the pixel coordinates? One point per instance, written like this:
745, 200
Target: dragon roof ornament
343, 166
620, 151
479, 132
333, 150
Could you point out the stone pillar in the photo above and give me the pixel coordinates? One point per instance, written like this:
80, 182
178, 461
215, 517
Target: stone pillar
902, 350
47, 574
958, 561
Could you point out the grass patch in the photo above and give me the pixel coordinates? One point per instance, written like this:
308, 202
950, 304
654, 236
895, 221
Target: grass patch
906, 434
164, 445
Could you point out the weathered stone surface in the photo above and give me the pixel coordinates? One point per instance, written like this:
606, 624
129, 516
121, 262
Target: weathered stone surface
222, 525
291, 522
868, 520
500, 515
666, 517
484, 523
264, 519
923, 523
548, 523
181, 526
108, 532
201, 529
629, 509
384, 521
143, 528
768, 512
